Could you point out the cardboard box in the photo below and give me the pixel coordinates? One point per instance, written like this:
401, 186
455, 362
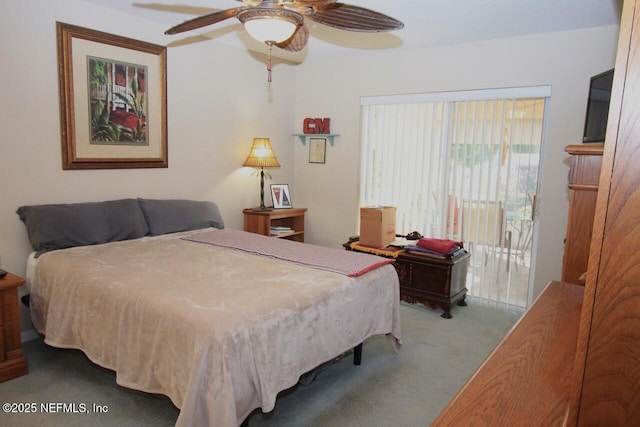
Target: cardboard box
377, 225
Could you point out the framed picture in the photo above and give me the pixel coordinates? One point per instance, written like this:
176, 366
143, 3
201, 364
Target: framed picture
113, 102
317, 150
280, 196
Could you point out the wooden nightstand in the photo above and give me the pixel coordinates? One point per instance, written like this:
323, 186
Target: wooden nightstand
260, 222
13, 363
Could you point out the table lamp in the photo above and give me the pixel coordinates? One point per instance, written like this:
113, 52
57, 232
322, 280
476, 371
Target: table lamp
261, 155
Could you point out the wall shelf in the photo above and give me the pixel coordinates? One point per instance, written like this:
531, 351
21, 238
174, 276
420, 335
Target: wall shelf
303, 136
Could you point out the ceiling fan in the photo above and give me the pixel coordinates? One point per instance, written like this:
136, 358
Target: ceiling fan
281, 23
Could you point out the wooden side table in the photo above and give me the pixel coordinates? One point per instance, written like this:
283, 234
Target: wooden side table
13, 362
292, 220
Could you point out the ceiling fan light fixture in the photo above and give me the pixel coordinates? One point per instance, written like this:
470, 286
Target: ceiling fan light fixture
269, 25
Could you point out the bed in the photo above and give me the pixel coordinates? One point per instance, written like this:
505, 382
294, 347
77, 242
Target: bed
218, 320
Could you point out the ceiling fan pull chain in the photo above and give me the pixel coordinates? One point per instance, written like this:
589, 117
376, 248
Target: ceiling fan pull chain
269, 62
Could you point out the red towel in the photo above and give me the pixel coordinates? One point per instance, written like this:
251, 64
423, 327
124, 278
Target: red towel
442, 246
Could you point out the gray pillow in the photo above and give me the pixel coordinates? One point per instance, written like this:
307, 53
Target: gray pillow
171, 216
59, 226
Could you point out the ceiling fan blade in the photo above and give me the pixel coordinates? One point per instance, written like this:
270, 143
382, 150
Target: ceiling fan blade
297, 41
354, 18
203, 21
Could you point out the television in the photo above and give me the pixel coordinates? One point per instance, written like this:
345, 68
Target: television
595, 124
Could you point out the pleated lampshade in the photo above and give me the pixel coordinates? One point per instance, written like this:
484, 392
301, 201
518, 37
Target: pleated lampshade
261, 155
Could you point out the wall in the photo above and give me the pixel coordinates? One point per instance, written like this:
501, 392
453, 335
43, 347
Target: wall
564, 60
218, 100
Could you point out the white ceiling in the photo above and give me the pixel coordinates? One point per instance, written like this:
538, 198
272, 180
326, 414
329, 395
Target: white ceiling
427, 22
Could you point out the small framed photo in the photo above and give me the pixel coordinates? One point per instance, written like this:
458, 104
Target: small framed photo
317, 150
280, 196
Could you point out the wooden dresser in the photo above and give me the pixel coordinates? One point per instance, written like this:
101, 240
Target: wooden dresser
586, 160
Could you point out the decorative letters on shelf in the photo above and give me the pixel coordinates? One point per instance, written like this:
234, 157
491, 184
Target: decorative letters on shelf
316, 127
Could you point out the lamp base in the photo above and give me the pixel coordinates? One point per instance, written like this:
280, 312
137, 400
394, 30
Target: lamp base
261, 209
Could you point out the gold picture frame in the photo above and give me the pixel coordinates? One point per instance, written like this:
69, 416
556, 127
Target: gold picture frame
113, 102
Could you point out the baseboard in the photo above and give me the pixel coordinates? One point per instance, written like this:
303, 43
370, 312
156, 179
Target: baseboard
28, 335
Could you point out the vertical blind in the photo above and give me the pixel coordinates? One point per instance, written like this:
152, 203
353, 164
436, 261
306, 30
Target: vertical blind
465, 169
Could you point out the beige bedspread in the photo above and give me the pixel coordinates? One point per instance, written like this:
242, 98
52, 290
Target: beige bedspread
218, 330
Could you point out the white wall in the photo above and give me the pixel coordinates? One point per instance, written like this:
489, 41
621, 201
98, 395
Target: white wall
333, 88
218, 100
